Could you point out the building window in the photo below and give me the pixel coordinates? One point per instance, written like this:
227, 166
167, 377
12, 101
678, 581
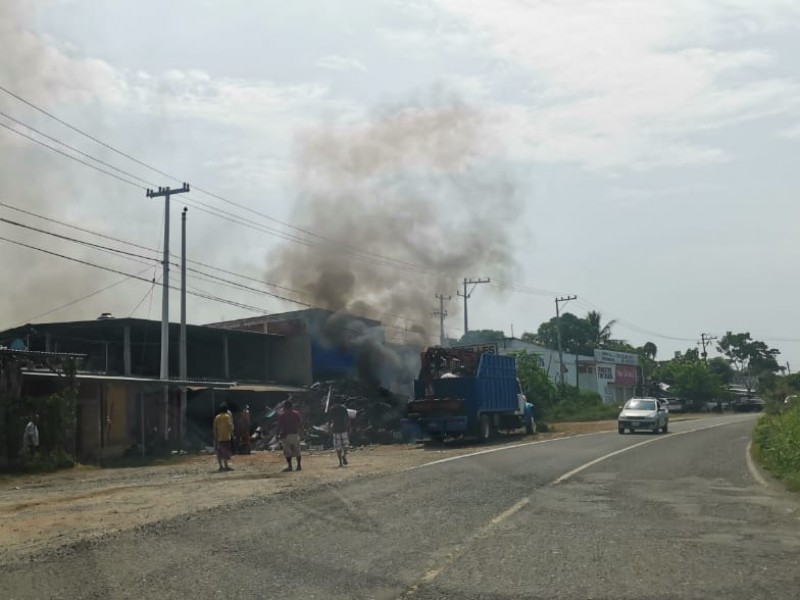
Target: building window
608, 395
605, 373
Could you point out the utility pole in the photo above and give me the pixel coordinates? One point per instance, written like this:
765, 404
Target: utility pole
467, 294
441, 313
558, 331
165, 192
705, 339
182, 362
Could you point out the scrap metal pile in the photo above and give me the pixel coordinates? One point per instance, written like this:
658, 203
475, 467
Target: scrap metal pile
376, 414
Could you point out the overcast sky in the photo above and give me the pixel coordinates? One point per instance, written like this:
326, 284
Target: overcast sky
654, 144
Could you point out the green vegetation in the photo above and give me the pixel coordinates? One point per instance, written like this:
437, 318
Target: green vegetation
776, 441
56, 420
480, 336
582, 406
551, 404
691, 378
776, 437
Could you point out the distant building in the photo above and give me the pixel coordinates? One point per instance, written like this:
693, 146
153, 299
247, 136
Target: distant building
612, 375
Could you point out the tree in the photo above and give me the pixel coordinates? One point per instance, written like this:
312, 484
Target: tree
690, 378
722, 369
599, 334
479, 336
750, 358
649, 350
575, 334
536, 385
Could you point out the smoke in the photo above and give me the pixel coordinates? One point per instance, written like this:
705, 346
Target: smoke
409, 202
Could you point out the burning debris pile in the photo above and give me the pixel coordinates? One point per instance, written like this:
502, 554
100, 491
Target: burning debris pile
376, 414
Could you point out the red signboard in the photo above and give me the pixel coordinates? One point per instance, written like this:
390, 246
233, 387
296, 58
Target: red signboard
625, 375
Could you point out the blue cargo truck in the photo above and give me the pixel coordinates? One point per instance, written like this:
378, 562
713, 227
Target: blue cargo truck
463, 392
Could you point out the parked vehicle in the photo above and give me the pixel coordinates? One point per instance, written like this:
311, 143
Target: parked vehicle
644, 413
674, 404
464, 392
747, 404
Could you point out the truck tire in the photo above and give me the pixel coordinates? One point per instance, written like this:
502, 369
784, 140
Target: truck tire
529, 427
484, 428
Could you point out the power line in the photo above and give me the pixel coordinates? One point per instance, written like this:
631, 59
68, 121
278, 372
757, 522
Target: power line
628, 325
135, 257
73, 148
78, 300
145, 248
75, 158
199, 189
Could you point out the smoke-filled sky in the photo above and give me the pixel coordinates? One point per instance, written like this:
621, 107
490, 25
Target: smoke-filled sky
638, 154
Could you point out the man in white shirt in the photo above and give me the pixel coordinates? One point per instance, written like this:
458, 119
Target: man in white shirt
30, 439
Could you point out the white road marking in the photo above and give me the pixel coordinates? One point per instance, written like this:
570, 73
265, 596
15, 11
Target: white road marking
524, 444
457, 550
668, 436
501, 448
754, 472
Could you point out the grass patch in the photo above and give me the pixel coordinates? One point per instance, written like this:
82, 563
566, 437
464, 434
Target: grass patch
776, 445
581, 407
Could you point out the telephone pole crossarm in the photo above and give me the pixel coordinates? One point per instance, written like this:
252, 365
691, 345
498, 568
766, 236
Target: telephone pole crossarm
467, 294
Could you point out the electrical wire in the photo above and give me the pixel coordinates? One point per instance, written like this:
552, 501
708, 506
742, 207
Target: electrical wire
77, 300
75, 158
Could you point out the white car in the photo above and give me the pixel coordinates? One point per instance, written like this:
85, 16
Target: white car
643, 413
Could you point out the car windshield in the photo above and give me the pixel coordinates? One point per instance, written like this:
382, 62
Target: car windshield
641, 405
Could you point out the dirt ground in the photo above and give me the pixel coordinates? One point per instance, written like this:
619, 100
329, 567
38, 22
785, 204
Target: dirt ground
39, 512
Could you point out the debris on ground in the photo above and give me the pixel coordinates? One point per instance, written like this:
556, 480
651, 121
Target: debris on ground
375, 412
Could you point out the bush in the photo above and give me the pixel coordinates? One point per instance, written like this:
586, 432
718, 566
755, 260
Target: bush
776, 439
581, 405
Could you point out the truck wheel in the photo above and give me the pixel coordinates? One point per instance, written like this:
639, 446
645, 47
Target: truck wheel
484, 428
530, 429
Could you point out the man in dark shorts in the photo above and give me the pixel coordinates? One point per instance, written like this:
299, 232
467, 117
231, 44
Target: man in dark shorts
339, 423
223, 437
290, 429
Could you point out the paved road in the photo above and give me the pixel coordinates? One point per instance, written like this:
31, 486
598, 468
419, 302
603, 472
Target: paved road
597, 516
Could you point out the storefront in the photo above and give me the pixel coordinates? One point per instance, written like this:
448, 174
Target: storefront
617, 375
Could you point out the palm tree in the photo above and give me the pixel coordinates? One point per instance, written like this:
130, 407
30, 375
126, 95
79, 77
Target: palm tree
600, 334
650, 350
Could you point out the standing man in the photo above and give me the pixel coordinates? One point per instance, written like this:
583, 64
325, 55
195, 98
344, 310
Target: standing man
290, 428
223, 437
30, 438
339, 424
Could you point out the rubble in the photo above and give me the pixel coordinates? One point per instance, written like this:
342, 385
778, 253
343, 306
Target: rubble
376, 413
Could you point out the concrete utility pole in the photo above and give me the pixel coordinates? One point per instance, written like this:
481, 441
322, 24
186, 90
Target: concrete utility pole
182, 364
705, 339
558, 331
467, 294
441, 313
166, 192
